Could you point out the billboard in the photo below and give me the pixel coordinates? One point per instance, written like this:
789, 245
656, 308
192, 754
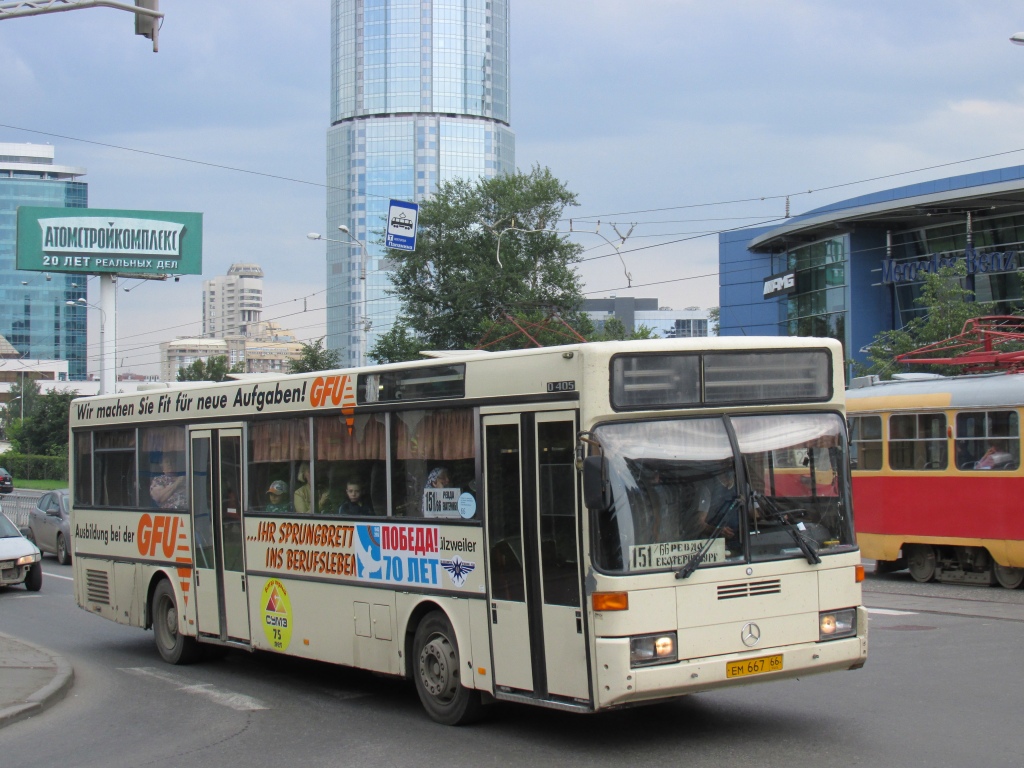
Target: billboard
107, 241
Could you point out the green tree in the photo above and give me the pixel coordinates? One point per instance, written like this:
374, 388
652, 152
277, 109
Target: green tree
946, 306
456, 287
714, 315
214, 369
315, 357
22, 400
615, 330
44, 432
397, 345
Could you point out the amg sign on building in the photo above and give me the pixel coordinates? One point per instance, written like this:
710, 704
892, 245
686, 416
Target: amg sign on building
98, 241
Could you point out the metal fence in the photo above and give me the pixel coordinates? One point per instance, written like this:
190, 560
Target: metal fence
16, 506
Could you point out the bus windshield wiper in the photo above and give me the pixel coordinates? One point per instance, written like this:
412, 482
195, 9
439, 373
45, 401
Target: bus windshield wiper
772, 511
695, 559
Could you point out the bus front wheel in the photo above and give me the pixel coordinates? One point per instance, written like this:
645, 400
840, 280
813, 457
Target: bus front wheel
438, 674
921, 563
174, 647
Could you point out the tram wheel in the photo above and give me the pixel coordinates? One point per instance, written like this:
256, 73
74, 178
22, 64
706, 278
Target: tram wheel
437, 673
921, 563
1008, 577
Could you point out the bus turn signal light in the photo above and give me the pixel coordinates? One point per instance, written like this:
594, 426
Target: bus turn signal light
610, 601
859, 573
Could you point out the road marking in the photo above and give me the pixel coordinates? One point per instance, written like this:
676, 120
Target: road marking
230, 699
891, 612
55, 576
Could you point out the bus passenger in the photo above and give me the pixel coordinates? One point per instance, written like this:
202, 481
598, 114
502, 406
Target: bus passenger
355, 504
302, 498
278, 493
438, 478
168, 490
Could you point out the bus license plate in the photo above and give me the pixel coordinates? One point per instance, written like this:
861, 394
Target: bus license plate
754, 666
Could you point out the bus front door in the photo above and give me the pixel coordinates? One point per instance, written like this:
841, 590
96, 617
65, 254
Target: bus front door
219, 554
537, 627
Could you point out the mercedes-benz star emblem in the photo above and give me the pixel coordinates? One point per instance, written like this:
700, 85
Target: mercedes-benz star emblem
750, 634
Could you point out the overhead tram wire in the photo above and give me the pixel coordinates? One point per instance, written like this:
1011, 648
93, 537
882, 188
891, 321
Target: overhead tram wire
587, 218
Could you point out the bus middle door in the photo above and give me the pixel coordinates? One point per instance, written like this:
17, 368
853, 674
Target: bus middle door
222, 609
537, 626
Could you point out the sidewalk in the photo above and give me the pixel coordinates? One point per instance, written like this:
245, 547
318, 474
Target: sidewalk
31, 679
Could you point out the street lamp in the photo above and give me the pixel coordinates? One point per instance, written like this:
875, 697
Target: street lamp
106, 360
362, 276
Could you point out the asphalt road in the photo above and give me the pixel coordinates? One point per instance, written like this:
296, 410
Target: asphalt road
942, 687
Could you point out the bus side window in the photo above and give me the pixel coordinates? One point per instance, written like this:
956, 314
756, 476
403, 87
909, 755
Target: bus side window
277, 450
350, 453
432, 451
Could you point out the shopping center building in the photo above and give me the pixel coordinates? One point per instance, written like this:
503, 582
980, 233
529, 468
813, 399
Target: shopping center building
852, 269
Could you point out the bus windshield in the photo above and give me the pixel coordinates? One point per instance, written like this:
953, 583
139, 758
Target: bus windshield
675, 486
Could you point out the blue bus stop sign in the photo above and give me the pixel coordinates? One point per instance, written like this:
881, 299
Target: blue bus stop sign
401, 231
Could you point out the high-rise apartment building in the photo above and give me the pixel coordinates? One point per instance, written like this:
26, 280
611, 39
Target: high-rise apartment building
34, 317
233, 302
419, 95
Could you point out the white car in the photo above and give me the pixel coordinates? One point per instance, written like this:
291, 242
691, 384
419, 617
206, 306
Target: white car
19, 558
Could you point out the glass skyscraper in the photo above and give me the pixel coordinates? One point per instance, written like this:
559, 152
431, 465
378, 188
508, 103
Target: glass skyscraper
33, 315
419, 94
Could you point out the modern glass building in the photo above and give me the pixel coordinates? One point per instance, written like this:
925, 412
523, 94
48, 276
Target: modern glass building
855, 268
419, 95
33, 315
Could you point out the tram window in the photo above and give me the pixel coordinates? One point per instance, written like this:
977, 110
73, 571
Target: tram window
866, 442
351, 465
115, 481
278, 464
918, 441
433, 461
987, 440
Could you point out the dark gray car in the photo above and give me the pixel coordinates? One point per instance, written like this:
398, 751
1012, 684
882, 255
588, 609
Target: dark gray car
49, 525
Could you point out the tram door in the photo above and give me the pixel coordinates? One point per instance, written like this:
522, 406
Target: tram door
218, 544
537, 633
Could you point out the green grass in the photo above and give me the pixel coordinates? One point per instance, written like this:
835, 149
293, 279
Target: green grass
39, 485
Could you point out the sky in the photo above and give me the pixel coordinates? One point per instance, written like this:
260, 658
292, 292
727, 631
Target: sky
658, 114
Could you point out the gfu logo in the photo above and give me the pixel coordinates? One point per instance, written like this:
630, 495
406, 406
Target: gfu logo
777, 285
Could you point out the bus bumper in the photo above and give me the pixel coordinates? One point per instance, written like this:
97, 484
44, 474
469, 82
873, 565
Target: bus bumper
619, 685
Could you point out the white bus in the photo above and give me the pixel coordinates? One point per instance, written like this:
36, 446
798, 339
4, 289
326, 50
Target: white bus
581, 527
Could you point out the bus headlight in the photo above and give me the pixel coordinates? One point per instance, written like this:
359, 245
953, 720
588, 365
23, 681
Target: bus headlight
647, 650
833, 625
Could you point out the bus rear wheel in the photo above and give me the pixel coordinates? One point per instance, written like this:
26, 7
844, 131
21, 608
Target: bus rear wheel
174, 647
1008, 577
921, 563
438, 674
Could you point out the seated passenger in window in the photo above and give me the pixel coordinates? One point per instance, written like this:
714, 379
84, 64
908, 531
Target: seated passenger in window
356, 503
278, 495
168, 490
994, 458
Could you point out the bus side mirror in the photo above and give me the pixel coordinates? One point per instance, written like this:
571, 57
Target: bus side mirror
596, 490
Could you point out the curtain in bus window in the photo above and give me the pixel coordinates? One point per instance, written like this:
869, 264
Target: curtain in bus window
431, 450
350, 471
279, 440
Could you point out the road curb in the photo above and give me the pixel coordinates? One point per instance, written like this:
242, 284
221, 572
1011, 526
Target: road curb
46, 696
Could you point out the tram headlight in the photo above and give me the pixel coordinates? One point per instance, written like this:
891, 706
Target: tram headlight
647, 650
833, 625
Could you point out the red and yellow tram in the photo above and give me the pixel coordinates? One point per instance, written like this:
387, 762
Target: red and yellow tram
937, 477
